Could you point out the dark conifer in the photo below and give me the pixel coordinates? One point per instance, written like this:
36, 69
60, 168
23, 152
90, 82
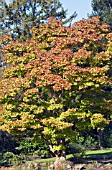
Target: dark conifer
18, 17
103, 8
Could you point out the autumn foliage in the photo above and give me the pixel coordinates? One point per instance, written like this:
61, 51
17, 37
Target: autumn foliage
53, 87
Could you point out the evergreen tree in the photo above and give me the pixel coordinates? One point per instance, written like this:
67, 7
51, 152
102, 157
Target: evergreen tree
18, 17
103, 8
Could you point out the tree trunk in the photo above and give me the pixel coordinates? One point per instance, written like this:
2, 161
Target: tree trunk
60, 159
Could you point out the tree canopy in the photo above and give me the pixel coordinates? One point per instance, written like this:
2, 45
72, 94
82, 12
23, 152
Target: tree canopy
52, 89
18, 16
103, 8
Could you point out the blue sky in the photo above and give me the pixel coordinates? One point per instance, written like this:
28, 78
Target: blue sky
82, 7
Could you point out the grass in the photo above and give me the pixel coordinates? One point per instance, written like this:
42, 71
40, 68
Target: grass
51, 159
101, 151
99, 154
91, 154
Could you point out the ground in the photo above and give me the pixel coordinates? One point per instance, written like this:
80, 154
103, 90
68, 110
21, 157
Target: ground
94, 160
91, 165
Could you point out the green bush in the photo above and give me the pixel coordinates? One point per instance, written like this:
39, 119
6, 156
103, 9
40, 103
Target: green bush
3, 162
90, 143
28, 146
8, 157
77, 150
42, 153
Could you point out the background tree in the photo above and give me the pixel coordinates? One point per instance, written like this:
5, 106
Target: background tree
52, 90
18, 17
103, 8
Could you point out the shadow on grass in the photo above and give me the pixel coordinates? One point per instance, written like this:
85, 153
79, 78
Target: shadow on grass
100, 157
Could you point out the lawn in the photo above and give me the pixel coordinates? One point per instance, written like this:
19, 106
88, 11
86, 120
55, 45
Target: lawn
99, 154
90, 154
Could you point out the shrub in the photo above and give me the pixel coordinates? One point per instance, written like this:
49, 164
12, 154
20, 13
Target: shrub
77, 150
28, 146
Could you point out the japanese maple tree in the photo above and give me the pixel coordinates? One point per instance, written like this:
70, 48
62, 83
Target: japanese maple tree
53, 87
